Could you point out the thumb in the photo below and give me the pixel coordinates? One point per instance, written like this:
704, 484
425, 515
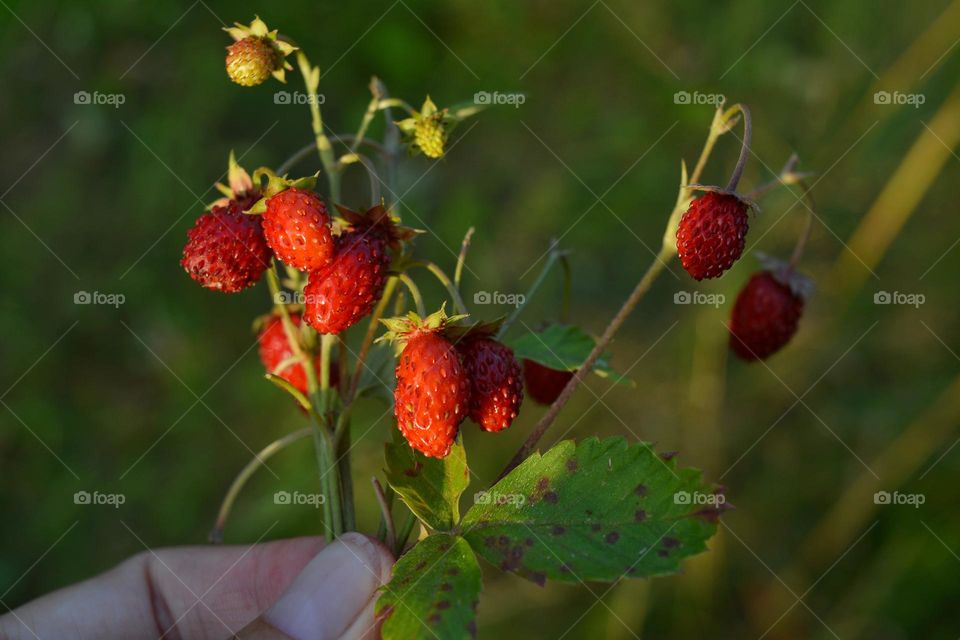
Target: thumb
333, 597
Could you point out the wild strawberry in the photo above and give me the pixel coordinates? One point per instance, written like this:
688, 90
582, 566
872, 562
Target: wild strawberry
543, 383
226, 249
765, 316
297, 228
251, 61
496, 386
275, 349
433, 392
257, 54
427, 130
346, 290
712, 233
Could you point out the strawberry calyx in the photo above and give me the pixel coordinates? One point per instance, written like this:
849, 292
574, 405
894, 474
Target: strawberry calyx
239, 187
401, 329
378, 219
274, 185
800, 284
708, 188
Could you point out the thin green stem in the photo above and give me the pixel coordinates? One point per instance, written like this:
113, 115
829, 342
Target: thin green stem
216, 534
311, 79
386, 516
462, 257
368, 337
744, 147
403, 534
552, 258
445, 280
414, 293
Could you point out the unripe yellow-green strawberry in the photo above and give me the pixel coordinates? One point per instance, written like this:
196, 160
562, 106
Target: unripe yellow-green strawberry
430, 135
251, 61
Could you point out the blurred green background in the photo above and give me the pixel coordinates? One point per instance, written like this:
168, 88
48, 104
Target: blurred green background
162, 398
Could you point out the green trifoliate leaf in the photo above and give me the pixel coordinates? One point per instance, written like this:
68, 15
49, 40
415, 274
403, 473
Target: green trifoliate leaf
598, 510
430, 487
433, 593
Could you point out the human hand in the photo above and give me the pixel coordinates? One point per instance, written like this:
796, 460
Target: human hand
298, 589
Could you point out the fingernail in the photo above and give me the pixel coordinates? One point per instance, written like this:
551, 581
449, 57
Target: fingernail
330, 591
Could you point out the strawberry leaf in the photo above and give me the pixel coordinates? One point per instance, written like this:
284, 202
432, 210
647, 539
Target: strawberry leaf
431, 488
433, 592
597, 510
563, 347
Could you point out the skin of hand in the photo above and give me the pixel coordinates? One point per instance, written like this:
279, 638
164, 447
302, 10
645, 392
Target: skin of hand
297, 589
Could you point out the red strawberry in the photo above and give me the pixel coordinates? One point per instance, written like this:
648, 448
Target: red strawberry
711, 234
348, 289
275, 348
765, 317
297, 228
496, 387
433, 392
543, 383
226, 249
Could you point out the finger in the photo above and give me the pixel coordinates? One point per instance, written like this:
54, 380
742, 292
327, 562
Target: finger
187, 592
334, 596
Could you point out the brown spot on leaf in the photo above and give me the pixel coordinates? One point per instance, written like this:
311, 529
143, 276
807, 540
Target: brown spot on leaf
517, 552
639, 515
420, 566
558, 530
670, 543
595, 527
472, 628
436, 618
539, 578
641, 490
446, 586
612, 537
572, 465
529, 542
490, 541
504, 541
443, 604
453, 571
551, 497
663, 553
669, 455
543, 484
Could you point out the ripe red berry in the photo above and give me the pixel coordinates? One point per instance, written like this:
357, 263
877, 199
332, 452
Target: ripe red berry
226, 249
297, 228
496, 386
432, 394
765, 317
250, 61
711, 234
338, 295
275, 349
543, 383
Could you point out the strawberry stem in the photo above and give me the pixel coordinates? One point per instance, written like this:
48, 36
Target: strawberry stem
554, 255
446, 282
744, 145
414, 293
462, 258
372, 327
807, 227
216, 534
